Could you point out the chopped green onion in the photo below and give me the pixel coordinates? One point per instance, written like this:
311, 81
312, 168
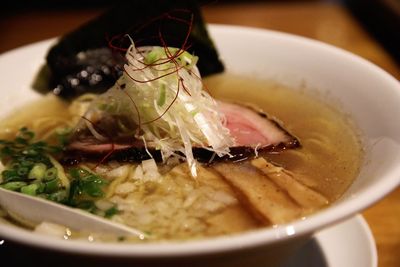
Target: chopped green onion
32, 170
58, 196
162, 96
111, 212
50, 174
41, 186
153, 56
86, 182
15, 166
92, 187
13, 186
27, 163
23, 171
30, 189
38, 171
52, 186
10, 175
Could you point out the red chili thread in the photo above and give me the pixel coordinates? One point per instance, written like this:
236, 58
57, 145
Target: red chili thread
170, 58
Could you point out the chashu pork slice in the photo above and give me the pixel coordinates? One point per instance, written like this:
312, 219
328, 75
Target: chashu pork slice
265, 200
271, 193
251, 129
305, 196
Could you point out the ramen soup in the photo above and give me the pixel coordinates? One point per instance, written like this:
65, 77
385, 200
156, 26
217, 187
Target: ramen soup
256, 184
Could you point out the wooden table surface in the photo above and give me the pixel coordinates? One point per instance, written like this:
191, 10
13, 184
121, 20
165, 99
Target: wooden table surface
329, 23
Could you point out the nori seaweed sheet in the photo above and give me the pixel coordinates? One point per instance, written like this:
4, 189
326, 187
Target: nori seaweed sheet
82, 60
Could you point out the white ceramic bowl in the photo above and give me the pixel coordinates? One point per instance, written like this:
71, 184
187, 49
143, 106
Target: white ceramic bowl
368, 93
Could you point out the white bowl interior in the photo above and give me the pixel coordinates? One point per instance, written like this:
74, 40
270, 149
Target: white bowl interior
370, 95
361, 89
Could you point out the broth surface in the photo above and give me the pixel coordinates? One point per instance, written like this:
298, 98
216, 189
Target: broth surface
331, 152
328, 161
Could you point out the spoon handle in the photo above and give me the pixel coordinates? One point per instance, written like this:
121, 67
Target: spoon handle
37, 210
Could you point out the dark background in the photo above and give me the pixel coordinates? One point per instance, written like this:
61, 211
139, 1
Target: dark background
381, 18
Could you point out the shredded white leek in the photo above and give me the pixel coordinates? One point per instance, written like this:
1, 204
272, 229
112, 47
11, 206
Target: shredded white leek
161, 93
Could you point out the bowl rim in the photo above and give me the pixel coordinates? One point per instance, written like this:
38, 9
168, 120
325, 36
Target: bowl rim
246, 240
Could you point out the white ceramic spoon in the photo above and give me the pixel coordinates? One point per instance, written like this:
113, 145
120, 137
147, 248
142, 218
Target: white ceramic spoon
37, 210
